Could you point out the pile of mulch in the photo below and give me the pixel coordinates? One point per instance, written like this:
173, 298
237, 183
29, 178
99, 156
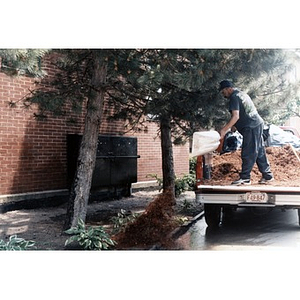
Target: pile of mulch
152, 228
284, 163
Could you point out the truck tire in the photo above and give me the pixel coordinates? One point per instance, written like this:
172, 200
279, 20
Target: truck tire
227, 215
212, 214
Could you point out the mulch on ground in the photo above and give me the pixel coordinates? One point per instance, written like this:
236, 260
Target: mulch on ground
153, 227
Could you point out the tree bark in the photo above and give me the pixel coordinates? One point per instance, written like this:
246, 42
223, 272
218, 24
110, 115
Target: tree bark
167, 156
80, 190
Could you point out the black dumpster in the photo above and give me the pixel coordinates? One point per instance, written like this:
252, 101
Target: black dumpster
116, 164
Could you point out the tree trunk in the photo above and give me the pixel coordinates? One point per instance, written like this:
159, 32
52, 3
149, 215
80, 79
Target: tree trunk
80, 190
167, 156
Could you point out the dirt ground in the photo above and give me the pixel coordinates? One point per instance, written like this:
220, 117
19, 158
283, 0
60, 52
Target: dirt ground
44, 225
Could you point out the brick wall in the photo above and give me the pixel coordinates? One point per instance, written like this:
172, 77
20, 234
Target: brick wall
150, 161
33, 154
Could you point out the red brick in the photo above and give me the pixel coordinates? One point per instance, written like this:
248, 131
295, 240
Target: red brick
33, 154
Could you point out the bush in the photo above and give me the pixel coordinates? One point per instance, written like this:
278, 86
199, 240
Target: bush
89, 238
16, 244
192, 166
122, 219
185, 183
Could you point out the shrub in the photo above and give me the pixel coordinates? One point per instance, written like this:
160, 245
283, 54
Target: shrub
90, 238
15, 244
182, 184
122, 219
192, 166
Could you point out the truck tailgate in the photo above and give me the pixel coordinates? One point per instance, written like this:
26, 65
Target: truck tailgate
265, 195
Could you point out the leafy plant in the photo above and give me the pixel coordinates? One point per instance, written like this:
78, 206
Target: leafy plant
15, 244
90, 238
186, 205
182, 184
192, 166
158, 179
185, 183
122, 219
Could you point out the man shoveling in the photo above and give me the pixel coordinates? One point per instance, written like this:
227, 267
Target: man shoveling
245, 118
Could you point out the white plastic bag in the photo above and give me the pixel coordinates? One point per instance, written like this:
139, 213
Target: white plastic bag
205, 142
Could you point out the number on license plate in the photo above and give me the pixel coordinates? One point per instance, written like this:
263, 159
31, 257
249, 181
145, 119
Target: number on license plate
256, 197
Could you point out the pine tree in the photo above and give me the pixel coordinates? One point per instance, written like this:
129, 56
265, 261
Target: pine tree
82, 74
23, 61
179, 89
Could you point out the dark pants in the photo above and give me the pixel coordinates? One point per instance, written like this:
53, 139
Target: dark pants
253, 151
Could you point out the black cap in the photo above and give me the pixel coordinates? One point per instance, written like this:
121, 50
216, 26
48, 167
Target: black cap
224, 84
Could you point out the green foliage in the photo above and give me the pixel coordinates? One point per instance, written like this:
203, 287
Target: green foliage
187, 182
122, 219
23, 61
16, 244
187, 207
183, 84
73, 82
180, 83
192, 166
90, 238
158, 179
182, 184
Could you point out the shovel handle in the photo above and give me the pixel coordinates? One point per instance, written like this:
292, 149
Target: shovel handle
199, 170
220, 147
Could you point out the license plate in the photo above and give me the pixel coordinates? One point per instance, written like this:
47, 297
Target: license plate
256, 197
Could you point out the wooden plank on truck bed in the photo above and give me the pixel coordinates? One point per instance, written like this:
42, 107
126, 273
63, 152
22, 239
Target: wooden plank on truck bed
247, 188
